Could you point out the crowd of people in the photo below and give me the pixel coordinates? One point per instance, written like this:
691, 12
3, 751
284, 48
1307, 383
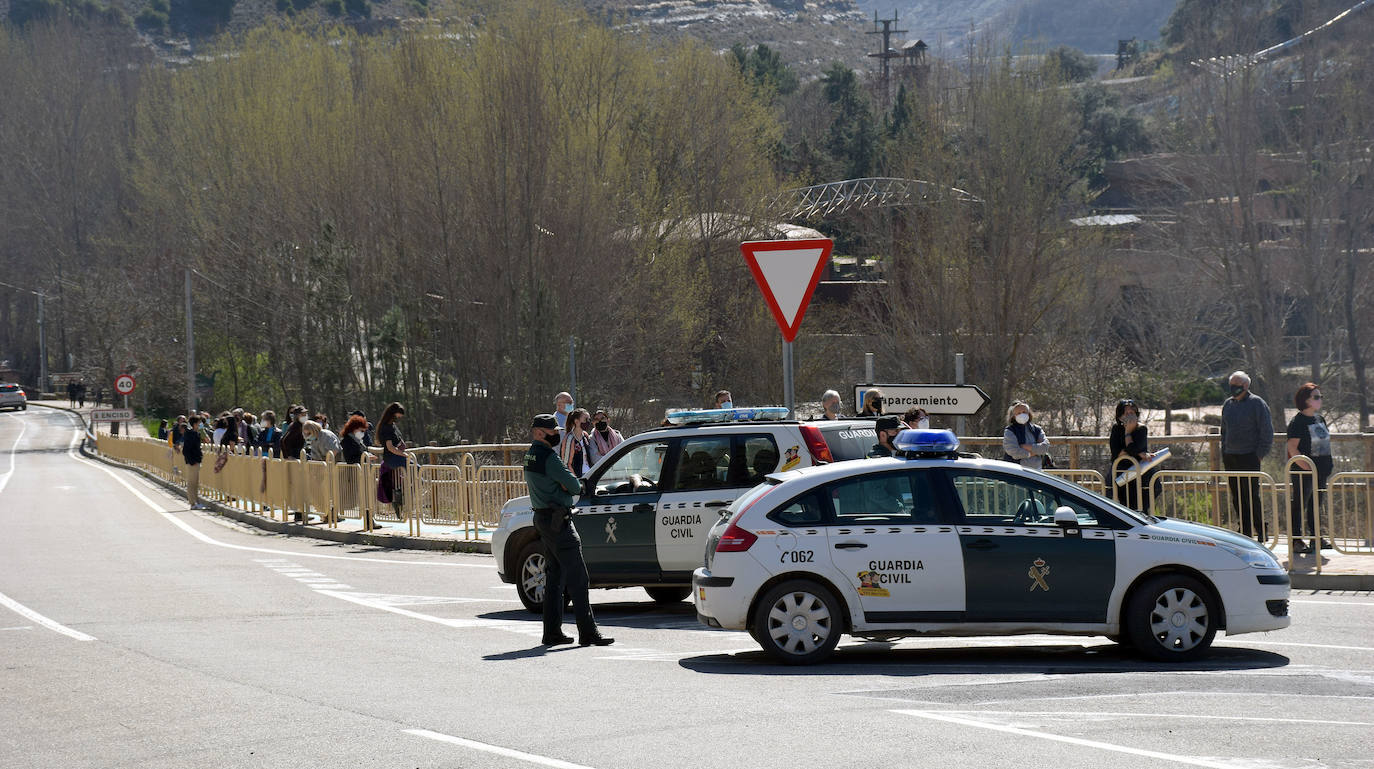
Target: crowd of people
303, 436
583, 437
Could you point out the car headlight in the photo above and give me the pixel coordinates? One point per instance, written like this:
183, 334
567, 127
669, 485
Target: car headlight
1256, 557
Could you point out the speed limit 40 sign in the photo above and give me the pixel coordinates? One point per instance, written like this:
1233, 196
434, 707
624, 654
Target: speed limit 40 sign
124, 384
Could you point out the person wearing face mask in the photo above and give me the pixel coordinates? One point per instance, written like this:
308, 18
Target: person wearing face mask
604, 437
830, 405
886, 429
562, 407
575, 450
293, 438
873, 403
916, 419
353, 442
1308, 436
553, 491
1247, 434
1022, 440
1130, 440
723, 400
269, 437
352, 446
390, 482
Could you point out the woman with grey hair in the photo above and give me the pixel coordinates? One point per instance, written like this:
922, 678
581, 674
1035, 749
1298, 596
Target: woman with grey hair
1023, 441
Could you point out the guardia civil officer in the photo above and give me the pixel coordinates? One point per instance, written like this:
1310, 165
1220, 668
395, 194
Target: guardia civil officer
552, 487
887, 429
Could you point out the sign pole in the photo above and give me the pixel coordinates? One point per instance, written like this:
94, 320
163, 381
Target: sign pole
959, 379
788, 397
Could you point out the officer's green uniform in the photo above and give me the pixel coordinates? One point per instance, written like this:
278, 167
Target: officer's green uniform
552, 487
879, 450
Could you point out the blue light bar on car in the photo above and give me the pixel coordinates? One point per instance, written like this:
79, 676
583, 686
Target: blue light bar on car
926, 442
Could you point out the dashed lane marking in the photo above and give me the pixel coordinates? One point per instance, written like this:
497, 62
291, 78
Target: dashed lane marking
945, 716
496, 749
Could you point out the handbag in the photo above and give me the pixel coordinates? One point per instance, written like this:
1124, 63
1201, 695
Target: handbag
221, 460
394, 461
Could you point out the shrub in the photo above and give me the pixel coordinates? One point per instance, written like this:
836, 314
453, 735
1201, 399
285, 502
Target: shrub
361, 8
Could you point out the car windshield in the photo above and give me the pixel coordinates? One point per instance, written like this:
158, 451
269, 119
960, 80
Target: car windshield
1102, 501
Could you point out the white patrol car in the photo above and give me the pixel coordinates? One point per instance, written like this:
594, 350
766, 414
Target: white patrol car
650, 503
932, 543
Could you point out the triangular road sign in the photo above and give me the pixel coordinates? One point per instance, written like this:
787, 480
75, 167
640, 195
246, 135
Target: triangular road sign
787, 271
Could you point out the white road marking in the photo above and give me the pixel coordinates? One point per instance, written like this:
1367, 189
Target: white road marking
497, 749
27, 613
370, 600
1334, 603
10, 603
1095, 714
1171, 757
18, 627
23, 428
211, 541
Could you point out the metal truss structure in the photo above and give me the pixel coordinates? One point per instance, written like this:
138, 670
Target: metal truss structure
840, 197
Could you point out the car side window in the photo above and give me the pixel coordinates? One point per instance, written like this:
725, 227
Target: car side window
806, 510
884, 498
759, 456
636, 471
703, 463
991, 498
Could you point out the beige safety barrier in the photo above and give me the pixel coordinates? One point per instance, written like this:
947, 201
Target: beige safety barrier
1349, 507
1088, 479
1205, 496
494, 486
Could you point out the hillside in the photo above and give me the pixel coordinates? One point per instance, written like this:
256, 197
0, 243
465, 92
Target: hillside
1093, 26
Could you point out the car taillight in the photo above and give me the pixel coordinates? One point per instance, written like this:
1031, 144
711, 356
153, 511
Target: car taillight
735, 540
815, 444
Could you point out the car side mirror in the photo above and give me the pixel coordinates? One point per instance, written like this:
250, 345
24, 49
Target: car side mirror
1065, 516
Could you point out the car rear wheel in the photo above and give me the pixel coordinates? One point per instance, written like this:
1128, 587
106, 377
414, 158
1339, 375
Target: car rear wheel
668, 593
1172, 618
530, 576
798, 622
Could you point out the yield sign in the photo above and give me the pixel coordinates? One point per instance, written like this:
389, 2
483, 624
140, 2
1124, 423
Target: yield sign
787, 272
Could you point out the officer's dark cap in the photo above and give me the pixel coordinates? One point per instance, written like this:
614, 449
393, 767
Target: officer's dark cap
888, 423
545, 421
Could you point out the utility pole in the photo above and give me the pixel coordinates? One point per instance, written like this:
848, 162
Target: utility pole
42, 349
190, 350
886, 53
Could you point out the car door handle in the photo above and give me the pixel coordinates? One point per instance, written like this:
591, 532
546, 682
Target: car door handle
982, 544
850, 546
716, 503
642, 508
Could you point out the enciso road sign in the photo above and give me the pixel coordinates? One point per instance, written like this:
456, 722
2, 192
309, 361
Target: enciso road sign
124, 384
787, 272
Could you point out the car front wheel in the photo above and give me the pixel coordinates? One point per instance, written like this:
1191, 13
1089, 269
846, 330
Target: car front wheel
1172, 618
798, 622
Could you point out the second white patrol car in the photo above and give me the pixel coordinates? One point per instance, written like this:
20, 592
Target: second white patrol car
932, 543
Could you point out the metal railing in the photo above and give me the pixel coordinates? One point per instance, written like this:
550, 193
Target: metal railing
465, 494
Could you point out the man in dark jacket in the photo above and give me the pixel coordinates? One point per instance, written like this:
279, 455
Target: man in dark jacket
887, 429
552, 488
190, 451
1247, 434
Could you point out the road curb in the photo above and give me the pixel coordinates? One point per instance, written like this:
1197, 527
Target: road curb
391, 541
1332, 581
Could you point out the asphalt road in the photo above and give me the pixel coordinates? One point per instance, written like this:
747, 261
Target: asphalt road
135, 633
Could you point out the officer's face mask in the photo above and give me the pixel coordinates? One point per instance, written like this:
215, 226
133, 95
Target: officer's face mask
552, 437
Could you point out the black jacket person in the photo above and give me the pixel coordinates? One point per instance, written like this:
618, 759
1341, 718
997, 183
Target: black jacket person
552, 488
